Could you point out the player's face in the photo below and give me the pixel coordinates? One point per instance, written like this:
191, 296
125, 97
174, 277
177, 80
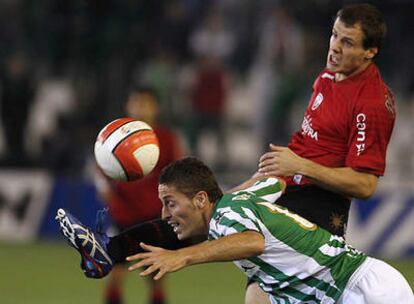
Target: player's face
183, 214
142, 106
347, 56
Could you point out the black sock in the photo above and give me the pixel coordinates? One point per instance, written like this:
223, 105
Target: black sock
156, 233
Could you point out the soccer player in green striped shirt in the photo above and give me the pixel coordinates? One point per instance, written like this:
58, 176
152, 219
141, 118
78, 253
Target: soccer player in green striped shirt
291, 259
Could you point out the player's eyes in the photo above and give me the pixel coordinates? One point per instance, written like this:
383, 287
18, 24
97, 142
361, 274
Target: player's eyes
348, 43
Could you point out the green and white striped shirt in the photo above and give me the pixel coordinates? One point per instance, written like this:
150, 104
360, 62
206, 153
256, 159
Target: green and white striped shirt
301, 262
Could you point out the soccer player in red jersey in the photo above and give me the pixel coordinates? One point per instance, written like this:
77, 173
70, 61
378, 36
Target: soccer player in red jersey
131, 203
340, 150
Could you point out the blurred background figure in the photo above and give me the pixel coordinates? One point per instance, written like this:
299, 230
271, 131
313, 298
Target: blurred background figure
212, 44
282, 48
17, 91
137, 201
209, 95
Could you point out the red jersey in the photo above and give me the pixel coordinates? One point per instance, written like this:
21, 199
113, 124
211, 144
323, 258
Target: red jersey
137, 201
347, 123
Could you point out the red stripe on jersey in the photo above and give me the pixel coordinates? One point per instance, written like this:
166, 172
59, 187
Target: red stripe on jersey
111, 128
124, 151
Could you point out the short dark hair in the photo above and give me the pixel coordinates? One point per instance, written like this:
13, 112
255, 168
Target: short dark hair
370, 19
190, 175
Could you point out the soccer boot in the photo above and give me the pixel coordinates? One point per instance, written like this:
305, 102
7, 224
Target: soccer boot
95, 261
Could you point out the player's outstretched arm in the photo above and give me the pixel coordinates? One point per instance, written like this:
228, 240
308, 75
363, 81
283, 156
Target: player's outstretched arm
228, 248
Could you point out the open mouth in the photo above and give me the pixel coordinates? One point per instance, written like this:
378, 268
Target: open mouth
174, 226
333, 60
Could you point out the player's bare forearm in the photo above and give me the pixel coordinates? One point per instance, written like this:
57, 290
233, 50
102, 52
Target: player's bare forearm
281, 161
233, 247
345, 180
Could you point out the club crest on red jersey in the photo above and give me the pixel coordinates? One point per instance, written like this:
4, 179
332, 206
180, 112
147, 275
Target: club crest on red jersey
317, 102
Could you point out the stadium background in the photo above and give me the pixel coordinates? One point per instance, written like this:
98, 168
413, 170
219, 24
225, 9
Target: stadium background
66, 67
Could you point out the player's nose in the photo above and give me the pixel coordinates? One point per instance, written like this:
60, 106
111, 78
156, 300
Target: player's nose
335, 46
165, 214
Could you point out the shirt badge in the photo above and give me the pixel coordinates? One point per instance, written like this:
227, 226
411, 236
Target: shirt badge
317, 102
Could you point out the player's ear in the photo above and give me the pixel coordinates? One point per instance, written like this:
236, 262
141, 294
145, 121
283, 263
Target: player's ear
370, 53
201, 199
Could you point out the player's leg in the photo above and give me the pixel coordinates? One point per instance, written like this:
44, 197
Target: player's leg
255, 295
157, 291
92, 247
376, 282
115, 282
114, 285
156, 233
99, 253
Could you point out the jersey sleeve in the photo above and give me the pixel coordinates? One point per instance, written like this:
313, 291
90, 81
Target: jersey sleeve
239, 213
372, 125
268, 189
235, 219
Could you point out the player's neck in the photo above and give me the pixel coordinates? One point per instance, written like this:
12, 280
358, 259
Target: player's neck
208, 214
341, 77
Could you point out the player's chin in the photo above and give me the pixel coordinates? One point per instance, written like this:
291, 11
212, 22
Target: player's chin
183, 235
332, 68
180, 235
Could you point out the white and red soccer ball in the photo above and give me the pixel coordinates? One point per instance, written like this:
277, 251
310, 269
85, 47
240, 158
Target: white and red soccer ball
127, 149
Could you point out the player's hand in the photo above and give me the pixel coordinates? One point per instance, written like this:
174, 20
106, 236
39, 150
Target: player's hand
280, 161
158, 260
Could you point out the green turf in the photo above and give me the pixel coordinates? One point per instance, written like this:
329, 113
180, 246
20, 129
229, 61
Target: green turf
48, 273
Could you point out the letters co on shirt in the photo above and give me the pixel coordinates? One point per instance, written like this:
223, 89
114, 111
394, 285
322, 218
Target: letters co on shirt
361, 126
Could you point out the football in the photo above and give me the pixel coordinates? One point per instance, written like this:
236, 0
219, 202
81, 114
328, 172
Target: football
126, 149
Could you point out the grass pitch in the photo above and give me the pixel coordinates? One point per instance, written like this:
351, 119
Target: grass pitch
48, 272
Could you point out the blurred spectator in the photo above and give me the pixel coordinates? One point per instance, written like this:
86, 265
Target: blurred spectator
213, 38
175, 30
212, 44
17, 91
160, 73
285, 40
279, 68
209, 97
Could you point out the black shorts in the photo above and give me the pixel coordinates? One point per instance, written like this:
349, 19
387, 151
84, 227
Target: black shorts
327, 209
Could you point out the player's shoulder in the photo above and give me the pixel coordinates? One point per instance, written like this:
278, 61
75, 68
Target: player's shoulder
373, 90
165, 134
163, 130
371, 82
229, 199
236, 202
325, 76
